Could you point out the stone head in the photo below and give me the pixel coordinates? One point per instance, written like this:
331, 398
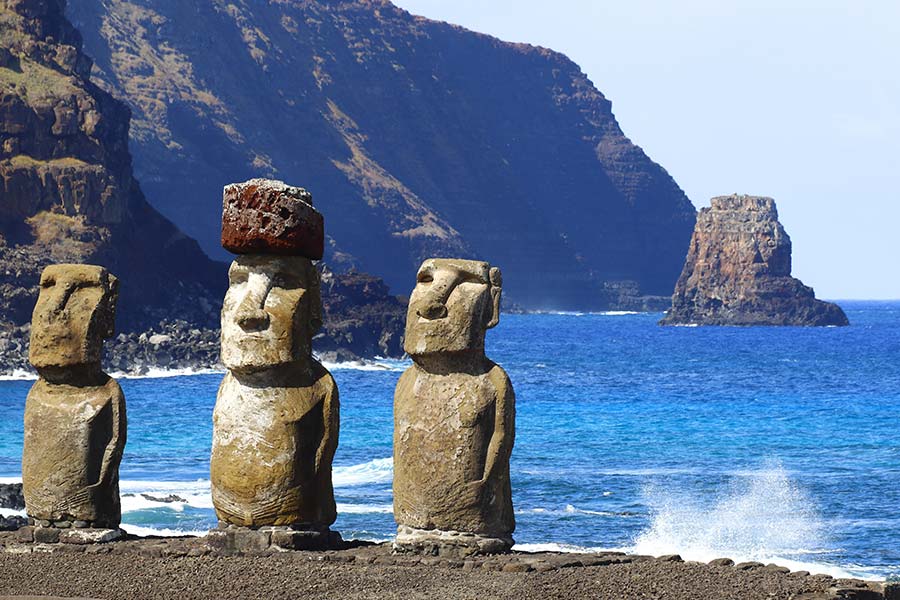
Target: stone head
75, 312
271, 311
452, 306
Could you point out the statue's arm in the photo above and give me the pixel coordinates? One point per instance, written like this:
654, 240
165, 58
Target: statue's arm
112, 455
503, 436
331, 424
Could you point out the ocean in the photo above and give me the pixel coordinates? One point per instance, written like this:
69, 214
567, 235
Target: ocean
770, 444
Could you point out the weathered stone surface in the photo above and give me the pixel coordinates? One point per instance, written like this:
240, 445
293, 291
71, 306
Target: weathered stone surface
75, 423
454, 414
75, 312
275, 423
90, 536
455, 544
231, 540
46, 535
738, 271
270, 217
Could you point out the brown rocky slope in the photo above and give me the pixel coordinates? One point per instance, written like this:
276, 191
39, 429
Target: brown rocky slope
738, 271
417, 139
68, 194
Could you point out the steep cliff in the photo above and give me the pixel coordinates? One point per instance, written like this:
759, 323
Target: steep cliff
417, 138
738, 271
68, 194
67, 188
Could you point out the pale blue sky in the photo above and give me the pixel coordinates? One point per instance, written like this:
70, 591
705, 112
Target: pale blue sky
798, 100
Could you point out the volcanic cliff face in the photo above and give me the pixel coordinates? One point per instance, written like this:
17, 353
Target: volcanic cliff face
68, 193
417, 139
738, 271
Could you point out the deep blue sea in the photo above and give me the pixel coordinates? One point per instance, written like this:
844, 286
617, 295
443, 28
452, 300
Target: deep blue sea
770, 444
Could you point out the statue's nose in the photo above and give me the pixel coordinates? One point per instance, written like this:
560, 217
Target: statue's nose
432, 310
250, 314
253, 320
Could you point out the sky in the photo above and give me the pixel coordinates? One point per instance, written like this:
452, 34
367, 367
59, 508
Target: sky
794, 99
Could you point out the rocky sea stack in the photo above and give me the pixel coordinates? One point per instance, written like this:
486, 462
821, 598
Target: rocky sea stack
738, 272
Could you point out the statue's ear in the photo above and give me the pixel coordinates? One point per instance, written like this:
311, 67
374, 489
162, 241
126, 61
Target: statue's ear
315, 301
496, 289
112, 299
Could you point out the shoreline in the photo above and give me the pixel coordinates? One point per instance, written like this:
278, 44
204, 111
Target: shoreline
143, 534
158, 567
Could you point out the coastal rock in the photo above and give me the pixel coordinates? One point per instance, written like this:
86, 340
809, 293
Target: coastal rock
270, 217
276, 419
11, 496
426, 138
12, 523
75, 424
454, 417
738, 272
361, 318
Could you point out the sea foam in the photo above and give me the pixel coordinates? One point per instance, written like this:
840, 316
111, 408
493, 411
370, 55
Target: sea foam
19, 375
379, 470
761, 516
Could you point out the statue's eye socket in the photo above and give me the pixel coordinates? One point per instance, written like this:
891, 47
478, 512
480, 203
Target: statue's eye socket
286, 282
425, 278
48, 283
237, 277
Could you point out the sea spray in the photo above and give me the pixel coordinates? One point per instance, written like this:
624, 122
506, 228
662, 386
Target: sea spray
761, 515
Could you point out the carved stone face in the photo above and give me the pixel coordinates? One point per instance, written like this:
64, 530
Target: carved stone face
271, 311
75, 312
453, 304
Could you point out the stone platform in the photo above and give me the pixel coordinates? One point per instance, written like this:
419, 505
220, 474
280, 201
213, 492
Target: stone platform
233, 540
448, 543
69, 535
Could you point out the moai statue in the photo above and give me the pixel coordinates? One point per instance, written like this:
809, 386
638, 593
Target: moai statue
75, 422
454, 417
275, 423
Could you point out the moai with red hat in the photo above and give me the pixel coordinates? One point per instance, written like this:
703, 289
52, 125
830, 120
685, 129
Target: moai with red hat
275, 423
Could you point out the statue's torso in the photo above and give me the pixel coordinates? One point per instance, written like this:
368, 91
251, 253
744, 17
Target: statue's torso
263, 463
442, 430
67, 432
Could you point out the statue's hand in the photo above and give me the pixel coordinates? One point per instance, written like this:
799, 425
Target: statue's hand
473, 493
77, 500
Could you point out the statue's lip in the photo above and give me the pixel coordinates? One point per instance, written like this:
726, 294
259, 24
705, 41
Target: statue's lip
422, 319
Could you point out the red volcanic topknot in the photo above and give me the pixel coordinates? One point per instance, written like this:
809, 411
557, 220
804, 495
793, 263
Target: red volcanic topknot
262, 216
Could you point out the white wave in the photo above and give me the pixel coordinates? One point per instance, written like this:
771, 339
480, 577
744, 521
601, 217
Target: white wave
9, 512
19, 375
572, 510
379, 470
579, 313
762, 516
160, 373
377, 364
364, 509
143, 495
8, 480
139, 494
144, 531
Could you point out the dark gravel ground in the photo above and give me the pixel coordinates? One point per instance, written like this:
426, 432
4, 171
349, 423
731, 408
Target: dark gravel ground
165, 569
